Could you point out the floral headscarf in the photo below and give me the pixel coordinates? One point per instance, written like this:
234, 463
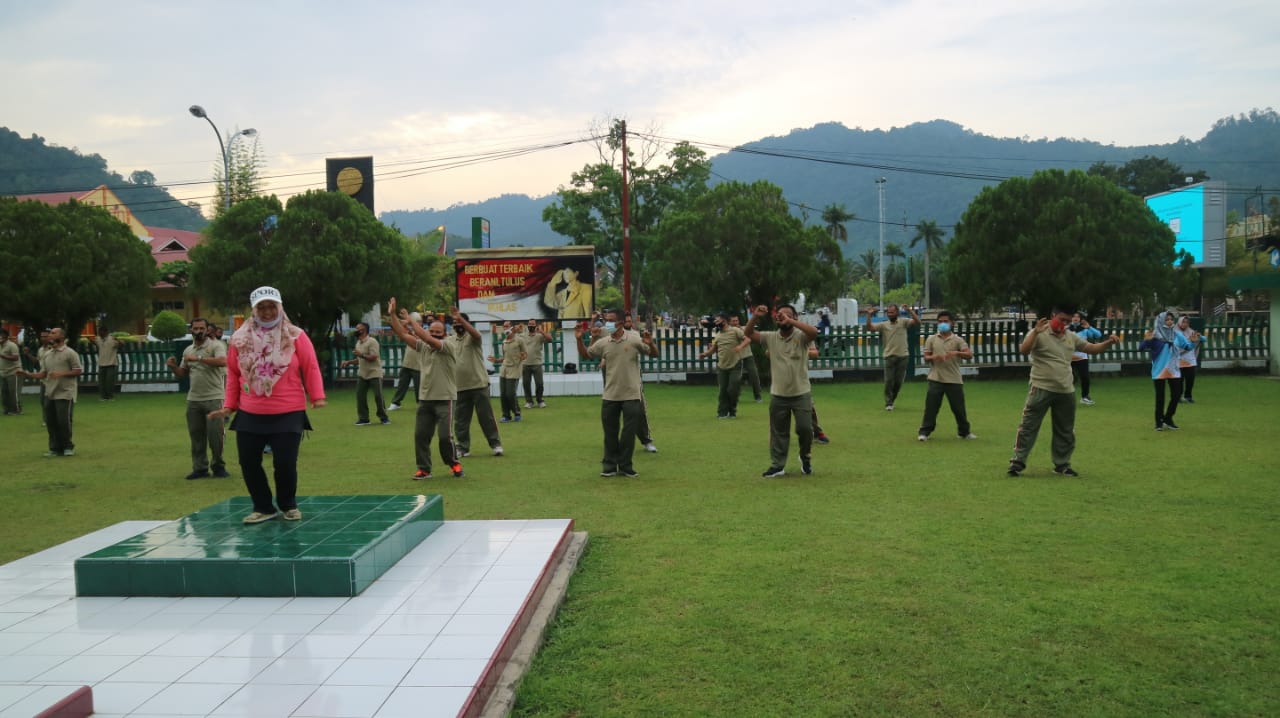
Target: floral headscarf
264, 353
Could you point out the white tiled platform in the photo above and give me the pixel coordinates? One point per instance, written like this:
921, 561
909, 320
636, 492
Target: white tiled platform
418, 642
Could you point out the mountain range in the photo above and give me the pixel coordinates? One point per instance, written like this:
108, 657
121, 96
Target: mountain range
932, 171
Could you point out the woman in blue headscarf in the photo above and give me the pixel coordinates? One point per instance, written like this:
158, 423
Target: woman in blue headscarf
1165, 343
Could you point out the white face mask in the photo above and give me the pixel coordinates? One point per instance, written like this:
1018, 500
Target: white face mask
269, 325
610, 327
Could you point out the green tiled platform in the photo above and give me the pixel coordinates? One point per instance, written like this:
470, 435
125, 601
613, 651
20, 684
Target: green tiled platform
340, 547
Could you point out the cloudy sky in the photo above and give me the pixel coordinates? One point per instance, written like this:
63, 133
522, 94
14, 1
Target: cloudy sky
421, 85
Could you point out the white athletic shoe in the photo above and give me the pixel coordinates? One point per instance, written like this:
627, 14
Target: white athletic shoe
649, 447
497, 451
922, 437
393, 407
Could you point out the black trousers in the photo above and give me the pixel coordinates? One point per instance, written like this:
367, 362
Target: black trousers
1165, 414
1188, 380
621, 421
933, 404
1080, 367
284, 460
58, 415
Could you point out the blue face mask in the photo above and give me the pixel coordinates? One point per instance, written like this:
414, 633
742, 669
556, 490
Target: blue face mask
944, 327
610, 327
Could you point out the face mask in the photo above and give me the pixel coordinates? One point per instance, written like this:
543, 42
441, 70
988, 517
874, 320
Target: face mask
610, 327
944, 327
269, 325
1075, 326
1057, 326
460, 330
197, 335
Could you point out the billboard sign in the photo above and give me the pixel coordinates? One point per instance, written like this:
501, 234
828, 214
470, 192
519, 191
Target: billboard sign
519, 283
1197, 214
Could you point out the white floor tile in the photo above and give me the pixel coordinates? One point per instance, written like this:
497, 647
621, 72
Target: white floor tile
122, 698
451, 647
220, 669
38, 700
298, 671
325, 646
392, 647
350, 625
281, 622
460, 673
187, 699
12, 643
478, 624
413, 624
64, 644
194, 644
424, 703
10, 694
259, 701
155, 669
370, 672
260, 645
84, 669
130, 644
344, 702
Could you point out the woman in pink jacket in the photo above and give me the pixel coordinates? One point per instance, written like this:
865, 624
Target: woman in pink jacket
271, 370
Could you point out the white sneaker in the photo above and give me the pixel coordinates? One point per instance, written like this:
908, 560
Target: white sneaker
970, 436
1087, 401
393, 407
649, 447
528, 405
497, 451
888, 407
542, 405
922, 437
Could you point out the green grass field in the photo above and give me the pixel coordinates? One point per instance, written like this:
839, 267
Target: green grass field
901, 579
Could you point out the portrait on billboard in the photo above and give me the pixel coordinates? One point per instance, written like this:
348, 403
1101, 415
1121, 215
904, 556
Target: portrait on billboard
543, 283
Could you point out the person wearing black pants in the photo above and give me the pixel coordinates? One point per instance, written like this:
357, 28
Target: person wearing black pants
1188, 360
1164, 342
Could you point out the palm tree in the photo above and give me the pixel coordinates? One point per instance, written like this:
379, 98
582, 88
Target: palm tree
835, 215
931, 235
867, 265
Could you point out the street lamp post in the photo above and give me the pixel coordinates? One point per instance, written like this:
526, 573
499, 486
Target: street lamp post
880, 189
198, 111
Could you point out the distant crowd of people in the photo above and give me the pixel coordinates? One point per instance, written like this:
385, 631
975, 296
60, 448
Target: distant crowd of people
267, 375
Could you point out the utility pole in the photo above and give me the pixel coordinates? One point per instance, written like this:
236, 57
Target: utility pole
880, 188
626, 224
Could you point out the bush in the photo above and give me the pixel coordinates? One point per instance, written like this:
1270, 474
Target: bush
167, 326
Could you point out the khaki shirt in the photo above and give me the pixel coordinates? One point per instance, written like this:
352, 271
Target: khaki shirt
107, 350
410, 359
208, 383
1051, 361
622, 381
10, 358
894, 336
945, 371
788, 362
369, 369
469, 372
533, 347
438, 366
726, 342
58, 360
512, 358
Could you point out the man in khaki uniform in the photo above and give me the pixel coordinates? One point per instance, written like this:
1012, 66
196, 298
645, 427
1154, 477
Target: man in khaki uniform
10, 384
535, 339
944, 351
472, 380
621, 399
368, 355
788, 350
60, 369
727, 345
1049, 345
408, 373
437, 393
893, 337
108, 359
205, 361
509, 373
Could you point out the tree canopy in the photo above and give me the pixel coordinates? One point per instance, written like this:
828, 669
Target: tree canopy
1148, 175
589, 210
739, 245
1061, 237
66, 264
325, 252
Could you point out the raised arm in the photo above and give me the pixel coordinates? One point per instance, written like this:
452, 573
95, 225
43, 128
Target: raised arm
750, 331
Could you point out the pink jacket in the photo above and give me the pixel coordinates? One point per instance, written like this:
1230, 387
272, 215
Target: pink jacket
288, 394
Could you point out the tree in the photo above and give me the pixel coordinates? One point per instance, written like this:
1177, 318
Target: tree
66, 264
1146, 176
589, 210
835, 215
167, 326
930, 235
325, 252
1061, 237
244, 157
867, 266
738, 244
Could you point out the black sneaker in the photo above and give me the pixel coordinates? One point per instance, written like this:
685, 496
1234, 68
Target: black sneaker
806, 465
773, 471
1168, 424
386, 421
1065, 471
1015, 470
608, 472
1159, 427
197, 475
221, 474
363, 422
629, 473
